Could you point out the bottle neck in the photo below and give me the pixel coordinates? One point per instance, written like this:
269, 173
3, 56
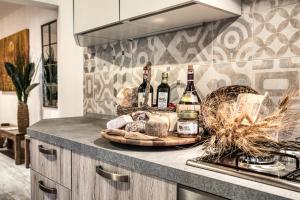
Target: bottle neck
145, 77
190, 80
164, 80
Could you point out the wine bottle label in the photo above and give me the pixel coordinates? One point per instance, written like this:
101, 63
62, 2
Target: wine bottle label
141, 99
162, 100
186, 127
189, 97
183, 107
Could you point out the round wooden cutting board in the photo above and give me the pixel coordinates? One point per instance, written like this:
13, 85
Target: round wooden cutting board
168, 141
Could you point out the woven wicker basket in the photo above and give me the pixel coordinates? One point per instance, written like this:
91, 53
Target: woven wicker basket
221, 95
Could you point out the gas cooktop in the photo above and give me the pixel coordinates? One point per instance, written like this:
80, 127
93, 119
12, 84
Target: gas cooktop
280, 169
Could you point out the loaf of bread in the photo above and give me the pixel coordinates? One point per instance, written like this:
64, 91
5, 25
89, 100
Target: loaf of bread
127, 97
158, 126
141, 115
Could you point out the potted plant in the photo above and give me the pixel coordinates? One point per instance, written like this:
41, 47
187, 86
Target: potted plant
21, 74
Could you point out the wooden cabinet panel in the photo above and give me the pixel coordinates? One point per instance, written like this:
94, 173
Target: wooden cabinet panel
134, 8
112, 190
83, 177
51, 161
93, 14
43, 189
90, 185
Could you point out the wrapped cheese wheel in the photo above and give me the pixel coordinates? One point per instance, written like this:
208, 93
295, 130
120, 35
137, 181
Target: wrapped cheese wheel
158, 126
173, 118
119, 122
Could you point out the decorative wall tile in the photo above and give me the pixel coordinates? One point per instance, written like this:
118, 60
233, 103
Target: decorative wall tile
105, 56
106, 107
143, 51
89, 86
247, 6
239, 73
103, 86
192, 45
89, 60
277, 76
260, 49
262, 5
233, 39
122, 54
277, 32
287, 2
90, 106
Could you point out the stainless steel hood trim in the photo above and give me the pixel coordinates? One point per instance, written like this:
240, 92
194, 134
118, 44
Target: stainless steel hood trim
246, 175
193, 2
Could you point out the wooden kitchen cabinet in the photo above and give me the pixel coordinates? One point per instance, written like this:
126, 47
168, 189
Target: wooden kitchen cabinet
136, 8
133, 8
93, 14
127, 185
51, 161
43, 188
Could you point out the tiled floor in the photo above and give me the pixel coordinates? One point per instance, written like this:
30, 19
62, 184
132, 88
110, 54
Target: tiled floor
14, 179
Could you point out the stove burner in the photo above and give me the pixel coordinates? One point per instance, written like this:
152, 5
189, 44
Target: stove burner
262, 164
273, 167
291, 151
273, 170
251, 160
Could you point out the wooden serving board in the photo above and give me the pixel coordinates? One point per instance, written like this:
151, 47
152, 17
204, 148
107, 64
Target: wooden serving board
168, 141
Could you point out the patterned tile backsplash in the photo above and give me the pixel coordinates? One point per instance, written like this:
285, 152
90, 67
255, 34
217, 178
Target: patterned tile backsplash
261, 49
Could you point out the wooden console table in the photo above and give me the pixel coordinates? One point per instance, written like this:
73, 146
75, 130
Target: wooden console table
16, 137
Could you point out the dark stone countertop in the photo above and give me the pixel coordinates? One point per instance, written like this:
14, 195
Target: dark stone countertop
82, 135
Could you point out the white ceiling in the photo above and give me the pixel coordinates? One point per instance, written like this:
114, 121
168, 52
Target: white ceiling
6, 8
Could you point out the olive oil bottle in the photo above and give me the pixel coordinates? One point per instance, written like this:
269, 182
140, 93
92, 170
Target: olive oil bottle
163, 93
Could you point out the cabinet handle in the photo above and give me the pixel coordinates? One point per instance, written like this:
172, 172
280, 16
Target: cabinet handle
43, 150
47, 189
112, 176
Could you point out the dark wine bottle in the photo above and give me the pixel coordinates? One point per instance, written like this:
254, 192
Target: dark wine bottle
190, 96
142, 90
163, 92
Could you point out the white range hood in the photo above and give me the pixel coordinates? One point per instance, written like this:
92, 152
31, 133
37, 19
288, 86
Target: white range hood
180, 16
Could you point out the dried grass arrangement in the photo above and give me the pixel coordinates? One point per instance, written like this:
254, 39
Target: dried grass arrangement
229, 135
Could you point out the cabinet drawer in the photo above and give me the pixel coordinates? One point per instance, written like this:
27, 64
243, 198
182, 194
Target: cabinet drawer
43, 188
94, 179
51, 161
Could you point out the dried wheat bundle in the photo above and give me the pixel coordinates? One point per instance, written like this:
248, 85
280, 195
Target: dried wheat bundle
259, 138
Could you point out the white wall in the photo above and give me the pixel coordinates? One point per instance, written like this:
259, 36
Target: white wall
22, 18
70, 61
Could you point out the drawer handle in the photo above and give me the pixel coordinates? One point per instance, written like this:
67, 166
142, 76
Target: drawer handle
43, 150
47, 189
112, 176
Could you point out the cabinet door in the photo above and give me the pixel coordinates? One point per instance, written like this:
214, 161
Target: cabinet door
112, 182
134, 8
93, 14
